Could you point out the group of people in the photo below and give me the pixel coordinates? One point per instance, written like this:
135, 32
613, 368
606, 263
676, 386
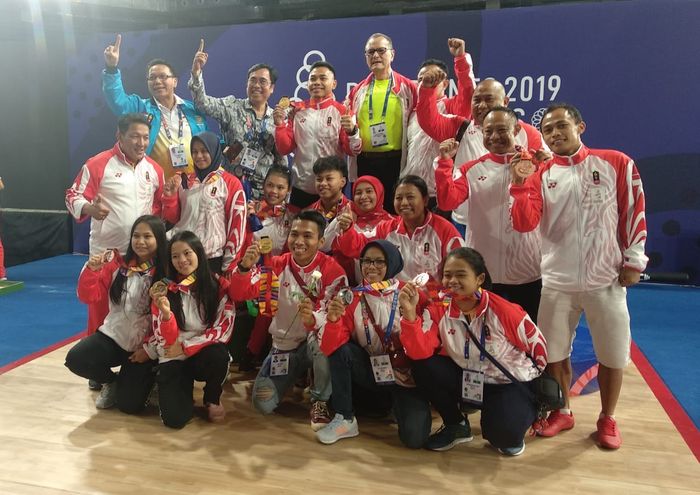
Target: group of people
470, 242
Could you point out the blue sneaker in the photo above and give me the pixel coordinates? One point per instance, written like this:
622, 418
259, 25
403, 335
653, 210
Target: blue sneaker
448, 436
337, 429
513, 451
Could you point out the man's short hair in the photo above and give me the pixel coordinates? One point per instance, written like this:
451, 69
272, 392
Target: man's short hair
270, 69
381, 35
322, 63
437, 62
330, 163
315, 217
508, 111
160, 61
573, 111
126, 120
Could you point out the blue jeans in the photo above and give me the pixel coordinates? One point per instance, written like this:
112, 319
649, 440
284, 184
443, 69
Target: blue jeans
269, 390
350, 367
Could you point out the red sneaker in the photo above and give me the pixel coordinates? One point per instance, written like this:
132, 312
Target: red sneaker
608, 434
320, 415
556, 422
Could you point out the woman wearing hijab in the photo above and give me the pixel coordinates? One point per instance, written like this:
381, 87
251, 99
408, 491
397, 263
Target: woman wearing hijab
209, 202
361, 340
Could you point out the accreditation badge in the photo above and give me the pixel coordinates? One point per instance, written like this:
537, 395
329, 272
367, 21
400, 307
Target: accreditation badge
379, 134
250, 158
279, 364
382, 370
178, 156
473, 386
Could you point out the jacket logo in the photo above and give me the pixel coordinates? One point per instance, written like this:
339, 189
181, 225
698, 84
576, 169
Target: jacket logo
118, 174
551, 184
451, 331
329, 121
148, 177
596, 177
482, 177
302, 120
285, 284
213, 191
471, 131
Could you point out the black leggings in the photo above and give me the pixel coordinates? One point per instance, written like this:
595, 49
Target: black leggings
526, 295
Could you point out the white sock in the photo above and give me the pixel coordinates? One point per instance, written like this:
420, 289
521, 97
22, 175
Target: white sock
602, 415
564, 410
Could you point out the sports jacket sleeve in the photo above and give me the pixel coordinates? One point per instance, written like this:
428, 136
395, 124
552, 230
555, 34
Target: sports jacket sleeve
632, 226
450, 192
350, 243
93, 286
523, 334
83, 191
284, 137
336, 334
171, 207
115, 96
434, 124
461, 103
420, 337
219, 332
208, 105
236, 218
526, 210
158, 196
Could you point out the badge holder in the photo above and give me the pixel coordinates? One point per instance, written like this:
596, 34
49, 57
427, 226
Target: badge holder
382, 370
279, 364
178, 156
473, 386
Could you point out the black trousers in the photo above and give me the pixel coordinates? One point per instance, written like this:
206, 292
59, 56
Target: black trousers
176, 383
385, 167
526, 295
95, 356
506, 412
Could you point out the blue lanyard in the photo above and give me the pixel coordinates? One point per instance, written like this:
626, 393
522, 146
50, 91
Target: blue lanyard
386, 98
367, 315
180, 117
482, 356
252, 134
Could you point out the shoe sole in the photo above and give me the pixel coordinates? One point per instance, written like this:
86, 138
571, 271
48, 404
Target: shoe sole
340, 437
516, 454
449, 446
541, 434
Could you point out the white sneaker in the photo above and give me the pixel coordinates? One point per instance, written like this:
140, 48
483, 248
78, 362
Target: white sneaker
338, 428
107, 397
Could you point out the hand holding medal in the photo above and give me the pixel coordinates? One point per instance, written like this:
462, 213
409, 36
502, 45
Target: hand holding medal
279, 114
523, 166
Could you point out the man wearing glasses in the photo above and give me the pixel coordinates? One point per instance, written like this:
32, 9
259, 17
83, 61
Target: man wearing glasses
246, 124
173, 120
382, 103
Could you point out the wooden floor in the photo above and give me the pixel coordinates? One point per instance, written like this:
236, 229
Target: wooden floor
54, 441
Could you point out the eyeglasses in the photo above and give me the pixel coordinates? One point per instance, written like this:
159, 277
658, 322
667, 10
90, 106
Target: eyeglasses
369, 261
160, 77
264, 83
379, 51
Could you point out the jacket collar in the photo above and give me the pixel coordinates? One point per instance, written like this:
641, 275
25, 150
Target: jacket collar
574, 159
402, 226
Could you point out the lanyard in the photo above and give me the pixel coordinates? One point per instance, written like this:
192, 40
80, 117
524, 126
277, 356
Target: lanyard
303, 286
252, 134
386, 98
164, 122
367, 315
482, 356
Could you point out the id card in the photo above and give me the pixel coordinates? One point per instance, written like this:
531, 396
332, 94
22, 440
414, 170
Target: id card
250, 158
473, 386
178, 157
379, 136
279, 364
382, 370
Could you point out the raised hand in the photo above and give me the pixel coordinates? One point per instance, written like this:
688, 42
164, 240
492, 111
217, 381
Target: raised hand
448, 148
408, 300
163, 305
542, 155
347, 122
200, 59
112, 53
432, 77
456, 46
279, 114
251, 256
335, 310
345, 218
96, 262
521, 167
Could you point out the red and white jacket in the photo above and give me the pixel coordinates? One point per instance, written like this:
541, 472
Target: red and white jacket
215, 210
332, 229
590, 211
405, 89
471, 146
312, 133
510, 336
512, 257
126, 323
422, 149
196, 334
422, 251
276, 226
127, 191
286, 328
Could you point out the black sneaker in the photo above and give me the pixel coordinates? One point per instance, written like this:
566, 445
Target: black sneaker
448, 436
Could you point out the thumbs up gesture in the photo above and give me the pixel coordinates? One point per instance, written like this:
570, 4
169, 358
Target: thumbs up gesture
200, 59
98, 210
112, 53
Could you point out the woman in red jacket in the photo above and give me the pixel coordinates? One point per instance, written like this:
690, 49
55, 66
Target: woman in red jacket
449, 366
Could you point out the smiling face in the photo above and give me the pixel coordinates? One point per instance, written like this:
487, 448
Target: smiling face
134, 141
329, 184
499, 131
365, 197
373, 265
561, 132
183, 258
303, 241
161, 82
275, 189
321, 83
259, 86
488, 94
409, 203
459, 277
200, 155
143, 242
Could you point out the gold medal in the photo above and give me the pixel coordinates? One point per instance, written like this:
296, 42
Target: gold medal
265, 245
284, 102
158, 289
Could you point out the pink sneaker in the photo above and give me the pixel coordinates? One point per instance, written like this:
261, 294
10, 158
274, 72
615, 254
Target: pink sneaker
608, 434
216, 412
556, 422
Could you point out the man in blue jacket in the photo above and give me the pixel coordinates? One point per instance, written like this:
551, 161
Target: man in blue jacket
173, 120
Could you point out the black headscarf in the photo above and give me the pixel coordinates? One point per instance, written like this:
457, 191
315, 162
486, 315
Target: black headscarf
213, 145
394, 261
